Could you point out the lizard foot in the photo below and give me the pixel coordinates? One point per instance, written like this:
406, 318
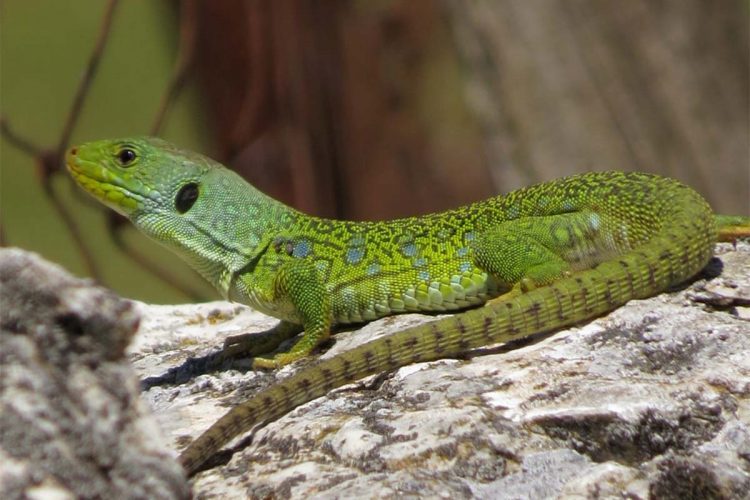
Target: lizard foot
277, 361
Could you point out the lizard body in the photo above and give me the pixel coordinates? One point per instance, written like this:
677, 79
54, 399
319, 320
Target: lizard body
545, 257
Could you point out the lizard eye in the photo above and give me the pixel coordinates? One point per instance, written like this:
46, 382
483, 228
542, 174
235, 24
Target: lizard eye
186, 197
126, 156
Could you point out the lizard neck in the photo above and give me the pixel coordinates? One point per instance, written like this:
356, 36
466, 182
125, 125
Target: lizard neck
230, 225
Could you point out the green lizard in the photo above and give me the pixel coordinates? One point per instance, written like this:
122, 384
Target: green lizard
545, 257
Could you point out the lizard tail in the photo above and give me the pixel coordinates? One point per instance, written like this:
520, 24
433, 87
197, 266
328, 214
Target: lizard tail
733, 227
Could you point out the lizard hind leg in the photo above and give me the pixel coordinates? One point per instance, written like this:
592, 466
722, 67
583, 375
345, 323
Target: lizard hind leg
535, 251
518, 261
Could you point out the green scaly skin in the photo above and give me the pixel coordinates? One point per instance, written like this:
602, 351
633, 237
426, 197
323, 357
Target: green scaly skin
555, 254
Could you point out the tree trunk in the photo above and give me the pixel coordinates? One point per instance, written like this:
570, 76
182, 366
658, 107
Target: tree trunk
380, 109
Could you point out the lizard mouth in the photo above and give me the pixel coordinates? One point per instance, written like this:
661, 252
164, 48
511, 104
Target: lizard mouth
105, 184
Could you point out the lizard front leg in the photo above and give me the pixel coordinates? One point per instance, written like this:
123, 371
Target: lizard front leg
255, 344
297, 283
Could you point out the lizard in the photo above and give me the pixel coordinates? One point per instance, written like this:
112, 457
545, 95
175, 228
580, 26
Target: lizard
539, 258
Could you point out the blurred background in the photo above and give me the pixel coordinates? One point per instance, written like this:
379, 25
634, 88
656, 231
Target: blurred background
362, 109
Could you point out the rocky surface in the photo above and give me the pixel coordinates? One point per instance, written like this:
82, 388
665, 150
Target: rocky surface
651, 401
72, 424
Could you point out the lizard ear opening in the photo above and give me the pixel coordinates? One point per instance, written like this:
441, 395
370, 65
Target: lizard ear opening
186, 197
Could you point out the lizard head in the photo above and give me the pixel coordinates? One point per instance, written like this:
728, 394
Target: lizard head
138, 174
207, 213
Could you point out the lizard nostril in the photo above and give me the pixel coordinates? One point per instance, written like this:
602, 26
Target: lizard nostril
73, 151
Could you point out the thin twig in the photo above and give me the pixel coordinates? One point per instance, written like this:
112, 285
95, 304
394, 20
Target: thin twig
17, 141
46, 162
183, 64
49, 161
75, 233
86, 80
53, 162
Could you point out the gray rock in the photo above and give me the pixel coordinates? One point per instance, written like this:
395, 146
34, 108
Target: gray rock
651, 401
72, 424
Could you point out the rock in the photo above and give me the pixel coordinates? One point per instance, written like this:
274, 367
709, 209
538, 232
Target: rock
652, 400
72, 424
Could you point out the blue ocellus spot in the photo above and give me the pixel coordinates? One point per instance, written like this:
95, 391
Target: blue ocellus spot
423, 275
420, 262
373, 269
354, 255
302, 249
409, 249
464, 266
322, 265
